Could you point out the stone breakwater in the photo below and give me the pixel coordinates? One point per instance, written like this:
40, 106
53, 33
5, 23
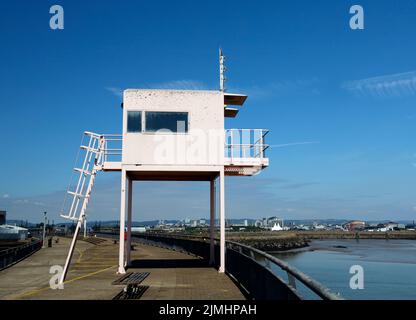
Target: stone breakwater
272, 243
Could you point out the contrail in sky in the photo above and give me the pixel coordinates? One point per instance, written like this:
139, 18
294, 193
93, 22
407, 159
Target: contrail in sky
293, 144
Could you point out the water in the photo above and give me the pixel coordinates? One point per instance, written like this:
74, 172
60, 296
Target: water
389, 267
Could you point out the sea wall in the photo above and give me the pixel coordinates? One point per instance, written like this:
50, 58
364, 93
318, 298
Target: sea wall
271, 242
288, 240
311, 235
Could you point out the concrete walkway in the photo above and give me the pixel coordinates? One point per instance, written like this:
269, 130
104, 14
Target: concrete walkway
173, 275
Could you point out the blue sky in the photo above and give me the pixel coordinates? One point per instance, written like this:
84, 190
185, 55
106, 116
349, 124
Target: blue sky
347, 97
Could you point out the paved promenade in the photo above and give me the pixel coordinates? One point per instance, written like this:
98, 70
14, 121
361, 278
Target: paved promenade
173, 275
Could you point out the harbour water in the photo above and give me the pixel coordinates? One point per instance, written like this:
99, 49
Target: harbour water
389, 267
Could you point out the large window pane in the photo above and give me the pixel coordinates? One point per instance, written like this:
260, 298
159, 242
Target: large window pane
134, 121
173, 121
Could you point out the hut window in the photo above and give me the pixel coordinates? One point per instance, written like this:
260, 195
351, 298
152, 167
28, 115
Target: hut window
170, 121
134, 121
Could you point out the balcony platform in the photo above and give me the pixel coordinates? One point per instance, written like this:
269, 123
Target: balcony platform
232, 167
112, 166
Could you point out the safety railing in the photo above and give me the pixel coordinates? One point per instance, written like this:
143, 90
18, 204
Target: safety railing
245, 143
239, 144
13, 255
112, 147
293, 274
253, 269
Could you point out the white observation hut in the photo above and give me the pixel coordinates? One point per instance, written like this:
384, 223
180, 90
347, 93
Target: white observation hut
169, 135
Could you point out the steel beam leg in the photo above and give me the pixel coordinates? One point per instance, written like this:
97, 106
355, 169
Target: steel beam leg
121, 260
212, 222
222, 222
129, 221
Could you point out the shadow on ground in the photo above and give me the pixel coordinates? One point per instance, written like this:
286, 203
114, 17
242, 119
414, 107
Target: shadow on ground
169, 263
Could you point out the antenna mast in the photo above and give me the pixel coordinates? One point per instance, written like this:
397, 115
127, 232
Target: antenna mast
222, 71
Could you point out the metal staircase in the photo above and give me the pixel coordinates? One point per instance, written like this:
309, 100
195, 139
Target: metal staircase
92, 163
95, 153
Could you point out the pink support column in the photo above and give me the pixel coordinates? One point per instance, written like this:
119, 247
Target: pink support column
212, 222
121, 258
222, 223
129, 221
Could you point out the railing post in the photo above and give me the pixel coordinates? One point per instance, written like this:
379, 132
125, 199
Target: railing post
261, 144
231, 145
245, 143
291, 279
267, 264
105, 150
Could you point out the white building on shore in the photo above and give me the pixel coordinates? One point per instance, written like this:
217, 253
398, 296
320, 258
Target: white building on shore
12, 233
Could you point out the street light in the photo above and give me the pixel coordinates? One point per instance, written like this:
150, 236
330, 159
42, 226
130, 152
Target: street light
44, 230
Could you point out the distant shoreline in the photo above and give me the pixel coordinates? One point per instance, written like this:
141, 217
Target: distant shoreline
316, 235
290, 241
321, 235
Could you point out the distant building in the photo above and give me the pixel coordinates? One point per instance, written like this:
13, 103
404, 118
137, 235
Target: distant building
276, 227
390, 226
354, 225
382, 228
61, 229
13, 233
138, 229
268, 223
246, 223
411, 226
273, 221
2, 217
258, 224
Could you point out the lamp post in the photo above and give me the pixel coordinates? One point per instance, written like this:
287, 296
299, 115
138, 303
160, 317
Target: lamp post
44, 230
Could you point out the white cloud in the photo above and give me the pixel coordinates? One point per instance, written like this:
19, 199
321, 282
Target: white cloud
394, 85
285, 210
20, 201
5, 196
115, 91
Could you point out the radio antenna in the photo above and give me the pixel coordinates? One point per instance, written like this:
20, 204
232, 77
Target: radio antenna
222, 72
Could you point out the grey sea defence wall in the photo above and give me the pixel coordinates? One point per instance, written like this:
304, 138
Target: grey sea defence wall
404, 235
282, 241
272, 244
